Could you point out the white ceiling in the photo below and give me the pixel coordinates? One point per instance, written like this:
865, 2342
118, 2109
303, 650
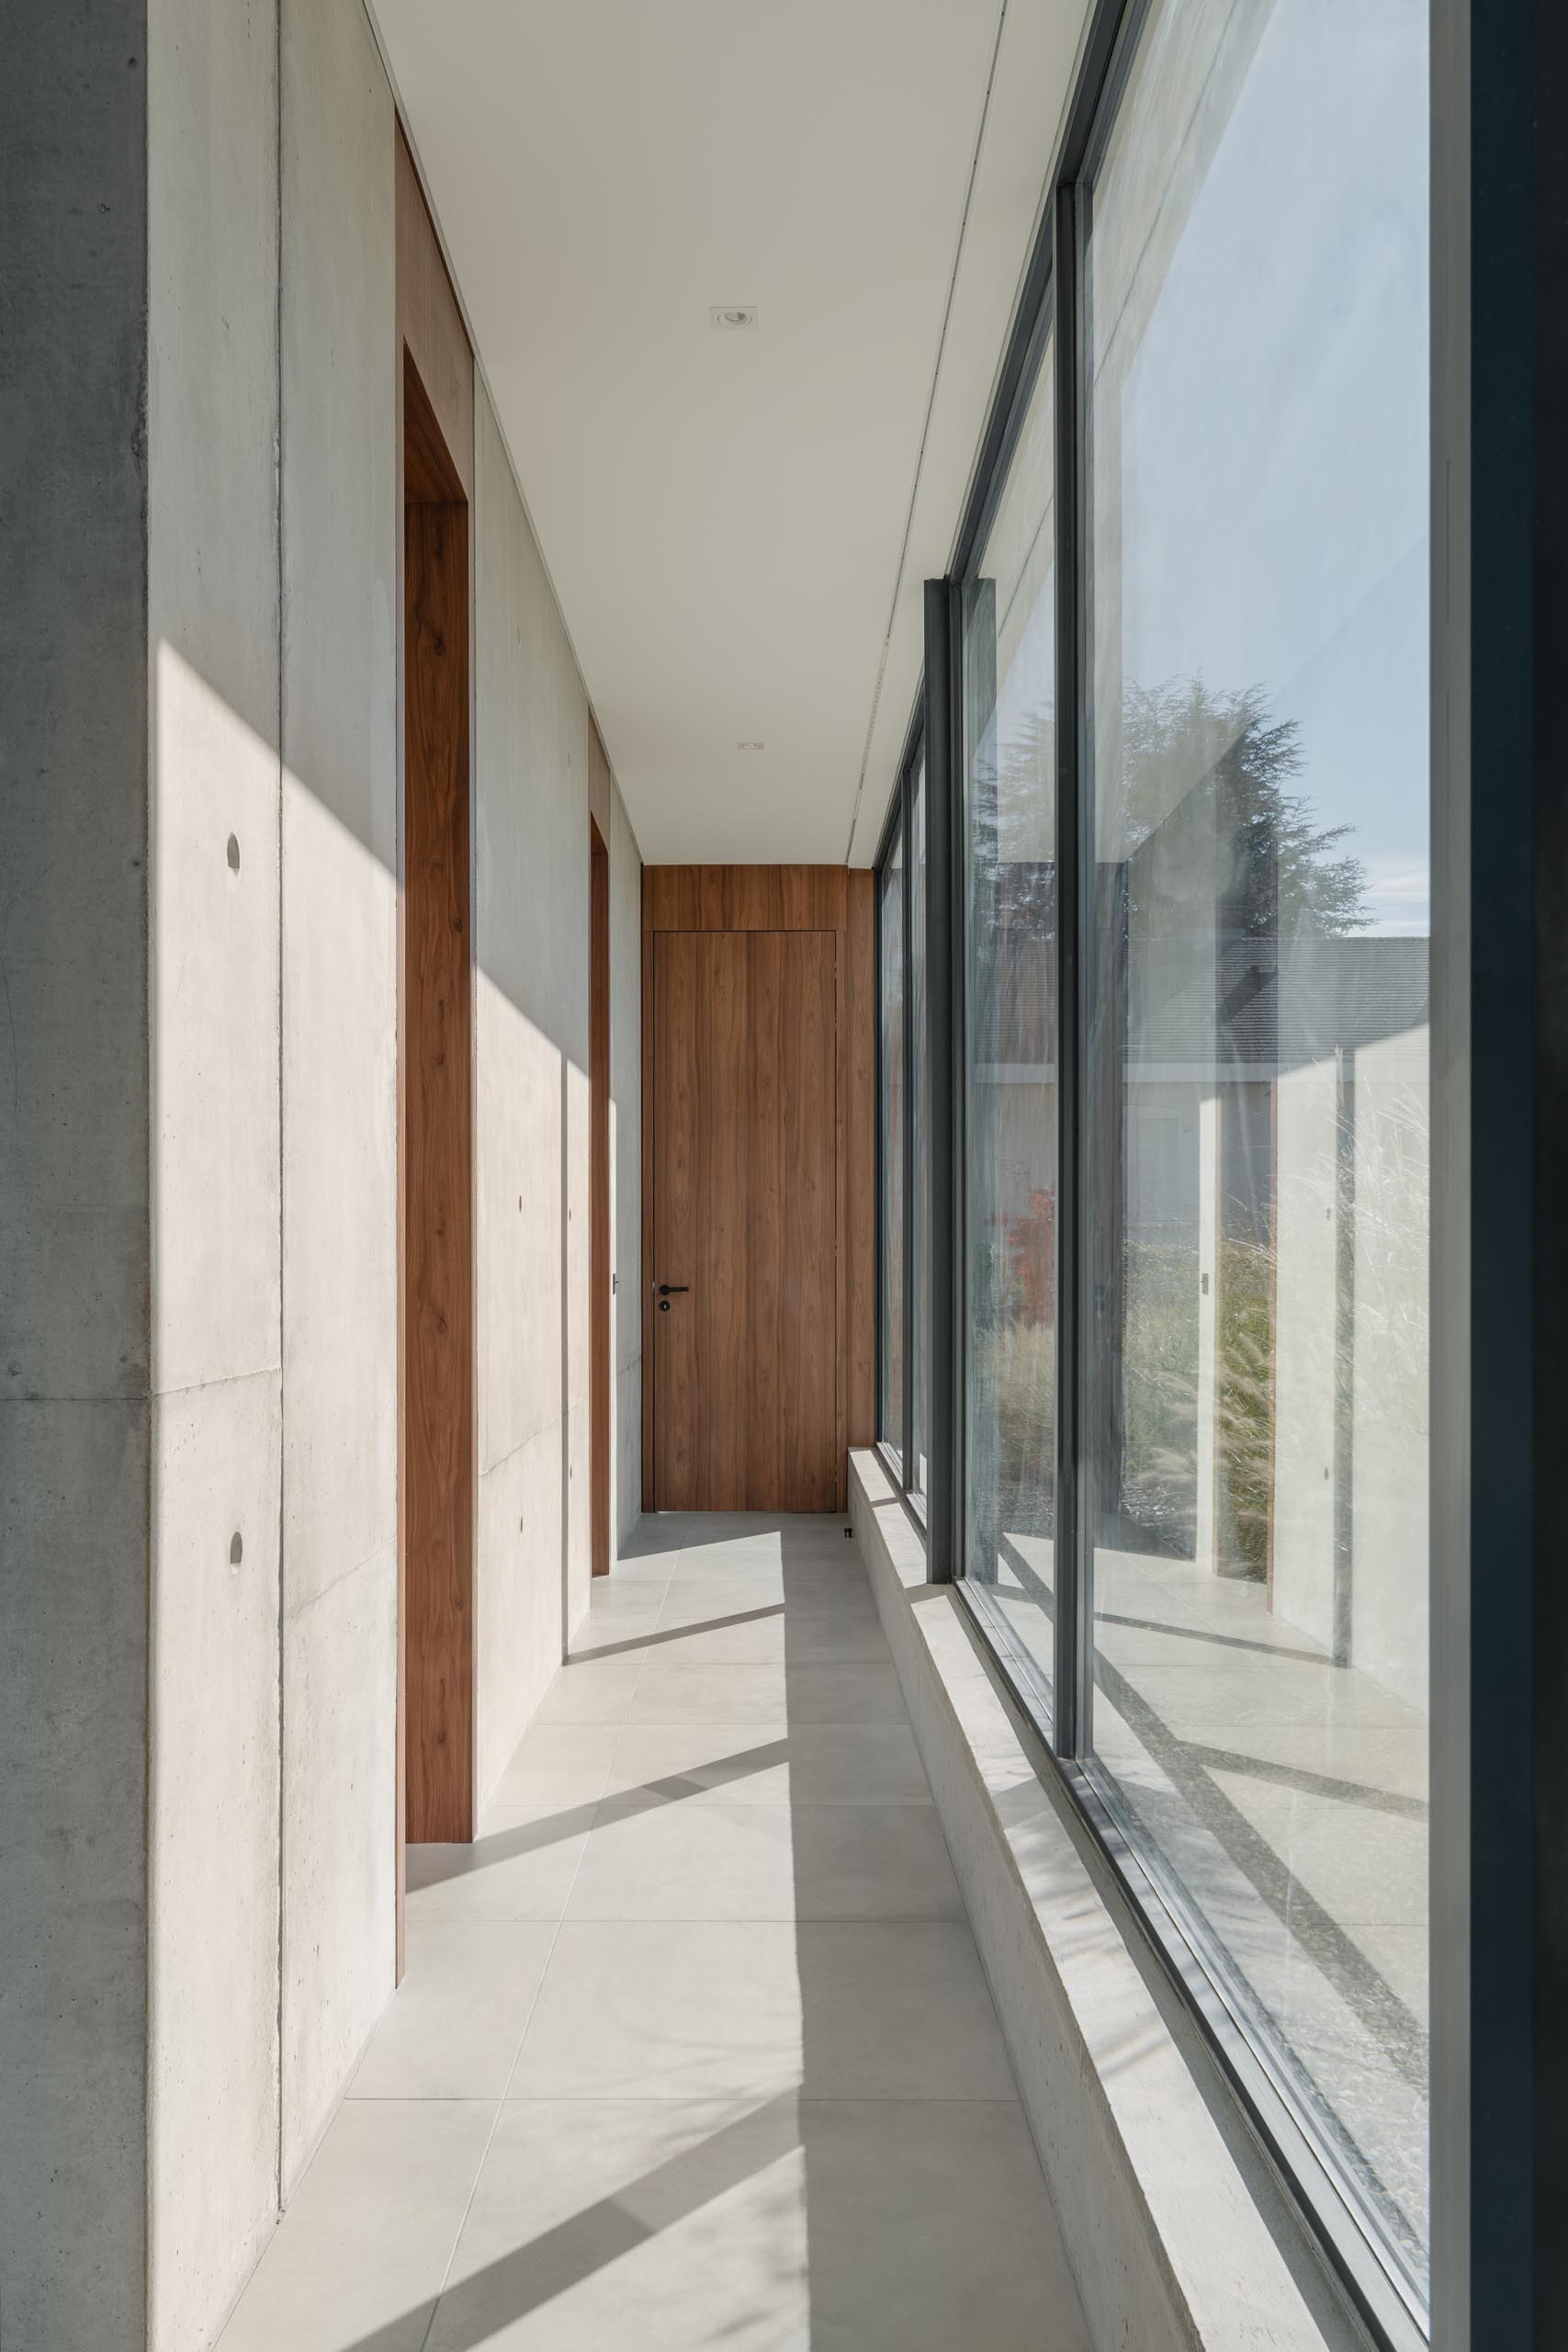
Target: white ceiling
724, 514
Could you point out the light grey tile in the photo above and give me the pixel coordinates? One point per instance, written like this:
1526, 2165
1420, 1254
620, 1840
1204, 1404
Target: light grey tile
872, 1862
636, 2225
554, 1764
664, 2011
795, 1637
591, 1690
800, 1694
523, 1870
452, 2029
898, 2010
929, 2226
361, 2253
652, 1860
726, 1763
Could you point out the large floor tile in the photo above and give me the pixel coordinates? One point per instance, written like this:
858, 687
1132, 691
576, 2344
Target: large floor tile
591, 1690
746, 1764
523, 1870
823, 1638
452, 2029
929, 2226
899, 2010
808, 1693
636, 2226
651, 1860
360, 2255
555, 1764
645, 2010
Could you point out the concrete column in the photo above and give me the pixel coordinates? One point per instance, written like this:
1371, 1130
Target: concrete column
75, 1138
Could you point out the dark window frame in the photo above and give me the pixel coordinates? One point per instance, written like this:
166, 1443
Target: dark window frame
1050, 302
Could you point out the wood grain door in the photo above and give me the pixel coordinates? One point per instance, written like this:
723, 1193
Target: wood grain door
745, 1220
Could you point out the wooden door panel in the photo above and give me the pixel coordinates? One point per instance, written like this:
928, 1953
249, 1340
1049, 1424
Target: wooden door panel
745, 1212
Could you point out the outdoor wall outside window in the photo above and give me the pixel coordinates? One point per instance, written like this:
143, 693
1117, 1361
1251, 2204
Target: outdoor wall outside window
920, 1156
890, 1255
1256, 1061
1009, 1125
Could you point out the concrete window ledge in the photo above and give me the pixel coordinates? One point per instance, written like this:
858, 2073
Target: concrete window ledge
1175, 2227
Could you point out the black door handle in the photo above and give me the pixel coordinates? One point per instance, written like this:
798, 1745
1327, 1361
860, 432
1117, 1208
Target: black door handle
667, 1290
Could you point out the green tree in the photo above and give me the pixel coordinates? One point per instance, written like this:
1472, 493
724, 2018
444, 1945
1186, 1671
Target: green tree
1214, 770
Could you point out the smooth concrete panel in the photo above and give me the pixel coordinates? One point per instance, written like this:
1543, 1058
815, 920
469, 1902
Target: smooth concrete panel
339, 1057
339, 1774
213, 657
73, 1161
524, 1528
73, 705
212, 2072
531, 883
212, 631
73, 1492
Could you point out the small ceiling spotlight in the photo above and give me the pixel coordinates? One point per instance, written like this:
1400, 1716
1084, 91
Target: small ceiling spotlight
751, 744
733, 314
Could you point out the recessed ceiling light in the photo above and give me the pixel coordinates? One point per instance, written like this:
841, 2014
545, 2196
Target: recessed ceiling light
733, 314
749, 745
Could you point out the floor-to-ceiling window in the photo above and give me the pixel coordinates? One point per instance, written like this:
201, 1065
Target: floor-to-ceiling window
1255, 1070
919, 1151
1189, 934
1008, 929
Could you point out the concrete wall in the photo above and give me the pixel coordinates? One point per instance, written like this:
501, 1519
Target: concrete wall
74, 1239
198, 1138
340, 1027
531, 937
212, 631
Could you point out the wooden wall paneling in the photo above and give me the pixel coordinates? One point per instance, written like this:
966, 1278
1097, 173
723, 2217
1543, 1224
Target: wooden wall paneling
601, 1332
857, 1047
437, 1466
439, 1275
761, 901
764, 1399
812, 1468
648, 1125
744, 898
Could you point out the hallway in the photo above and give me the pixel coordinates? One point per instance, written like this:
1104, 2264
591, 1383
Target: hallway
694, 2048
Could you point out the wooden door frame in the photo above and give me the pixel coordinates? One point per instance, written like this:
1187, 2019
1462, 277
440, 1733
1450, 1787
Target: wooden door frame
785, 898
434, 445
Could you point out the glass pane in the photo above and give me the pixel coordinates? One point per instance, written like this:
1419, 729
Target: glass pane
890, 1257
1010, 1242
920, 1156
1256, 1054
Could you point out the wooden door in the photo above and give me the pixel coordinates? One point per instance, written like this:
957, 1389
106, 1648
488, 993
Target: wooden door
745, 1220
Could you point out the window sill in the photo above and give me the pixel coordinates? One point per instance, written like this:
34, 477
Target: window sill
1176, 2226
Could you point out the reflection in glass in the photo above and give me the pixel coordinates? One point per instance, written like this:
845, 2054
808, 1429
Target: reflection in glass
1010, 886
890, 1256
920, 1156
1256, 1056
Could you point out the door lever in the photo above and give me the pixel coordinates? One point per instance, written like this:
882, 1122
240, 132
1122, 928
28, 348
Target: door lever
667, 1290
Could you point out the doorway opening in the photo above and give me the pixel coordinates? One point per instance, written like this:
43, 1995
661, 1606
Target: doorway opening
436, 1141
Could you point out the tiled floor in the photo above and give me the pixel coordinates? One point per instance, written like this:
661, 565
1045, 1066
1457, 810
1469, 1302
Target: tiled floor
695, 2048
